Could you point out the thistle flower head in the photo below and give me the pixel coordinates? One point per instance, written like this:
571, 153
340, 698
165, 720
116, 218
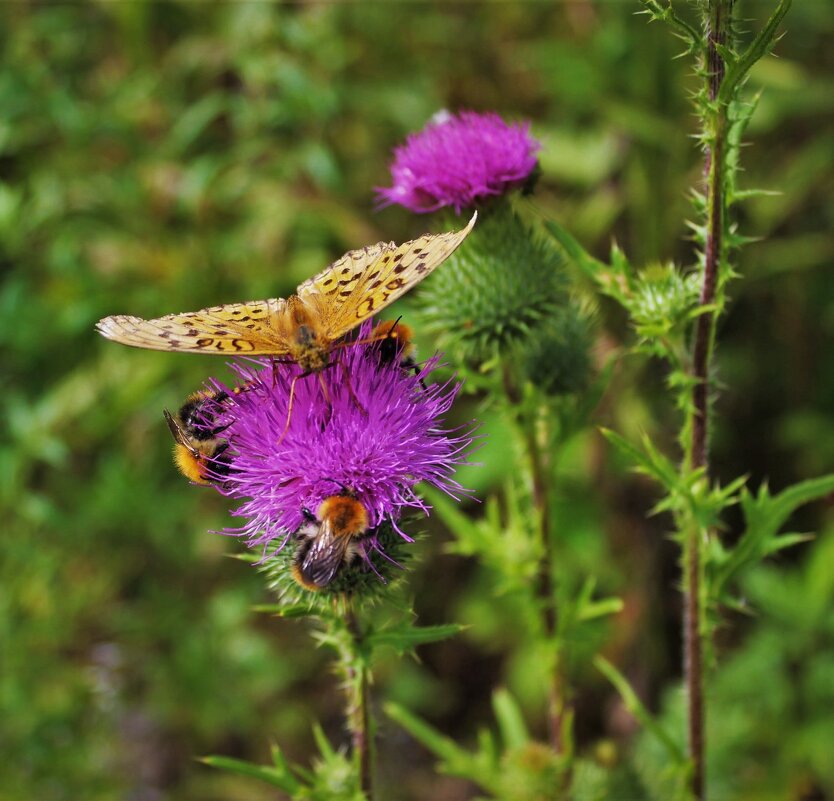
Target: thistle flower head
459, 159
375, 435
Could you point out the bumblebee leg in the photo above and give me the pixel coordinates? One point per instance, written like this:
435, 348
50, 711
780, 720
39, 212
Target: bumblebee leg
219, 430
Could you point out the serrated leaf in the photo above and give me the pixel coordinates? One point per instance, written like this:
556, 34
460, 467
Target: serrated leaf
405, 637
783, 505
764, 515
787, 541
275, 776
649, 461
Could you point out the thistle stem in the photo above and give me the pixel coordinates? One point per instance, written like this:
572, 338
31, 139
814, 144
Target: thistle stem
358, 705
718, 18
557, 694
556, 701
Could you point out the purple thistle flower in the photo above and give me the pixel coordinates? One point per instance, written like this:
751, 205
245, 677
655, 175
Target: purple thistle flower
377, 444
459, 159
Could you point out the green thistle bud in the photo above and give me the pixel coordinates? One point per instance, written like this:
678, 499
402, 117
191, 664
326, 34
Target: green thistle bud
557, 357
493, 295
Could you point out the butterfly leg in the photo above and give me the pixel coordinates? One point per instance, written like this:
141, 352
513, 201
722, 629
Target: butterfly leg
273, 362
349, 386
326, 393
289, 406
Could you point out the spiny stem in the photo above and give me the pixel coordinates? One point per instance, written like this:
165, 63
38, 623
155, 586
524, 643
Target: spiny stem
718, 19
556, 702
358, 711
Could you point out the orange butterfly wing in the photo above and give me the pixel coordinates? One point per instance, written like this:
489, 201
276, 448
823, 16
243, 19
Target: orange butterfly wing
363, 282
236, 328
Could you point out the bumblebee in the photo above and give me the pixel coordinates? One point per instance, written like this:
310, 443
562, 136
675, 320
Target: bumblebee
199, 451
395, 344
329, 540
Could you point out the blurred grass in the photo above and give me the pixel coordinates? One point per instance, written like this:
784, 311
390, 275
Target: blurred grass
163, 156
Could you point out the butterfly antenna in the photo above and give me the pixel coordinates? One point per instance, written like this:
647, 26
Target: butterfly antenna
369, 341
346, 490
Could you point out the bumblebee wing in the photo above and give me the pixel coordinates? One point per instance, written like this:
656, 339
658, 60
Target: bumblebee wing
235, 328
177, 433
323, 557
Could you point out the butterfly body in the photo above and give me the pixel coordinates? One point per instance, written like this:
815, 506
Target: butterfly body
307, 342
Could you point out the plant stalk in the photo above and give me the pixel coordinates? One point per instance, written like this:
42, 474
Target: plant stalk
718, 19
359, 705
557, 703
558, 707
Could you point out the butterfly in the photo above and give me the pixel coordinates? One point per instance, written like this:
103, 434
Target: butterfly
304, 327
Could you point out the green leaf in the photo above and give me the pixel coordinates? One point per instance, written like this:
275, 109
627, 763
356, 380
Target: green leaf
649, 461
459, 523
404, 637
783, 505
585, 608
575, 251
639, 711
289, 612
278, 776
441, 746
747, 194
325, 749
279, 761
764, 515
601, 608
510, 720
757, 48
787, 541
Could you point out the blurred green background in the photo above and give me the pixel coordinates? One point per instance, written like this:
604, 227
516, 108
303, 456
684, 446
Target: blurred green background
159, 157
